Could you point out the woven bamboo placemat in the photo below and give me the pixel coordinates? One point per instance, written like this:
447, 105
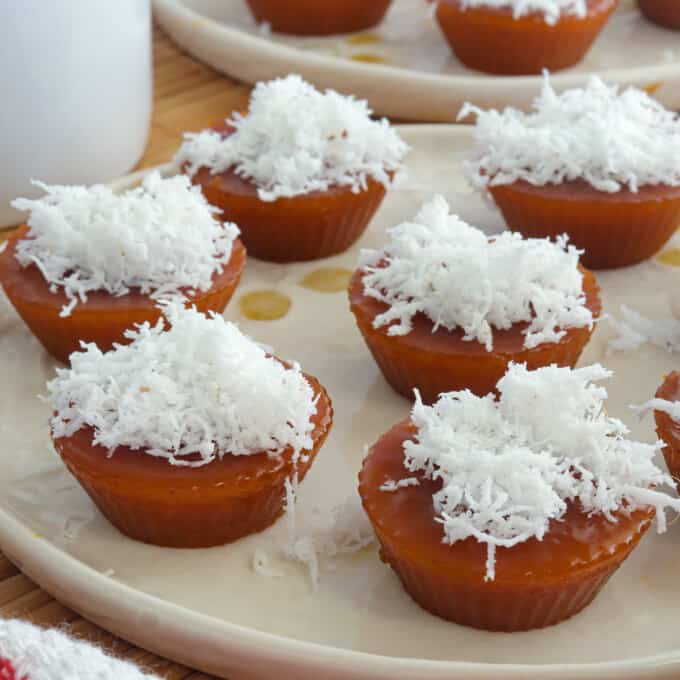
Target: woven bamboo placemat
187, 96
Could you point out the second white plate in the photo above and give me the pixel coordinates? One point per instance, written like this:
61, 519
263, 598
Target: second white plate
416, 77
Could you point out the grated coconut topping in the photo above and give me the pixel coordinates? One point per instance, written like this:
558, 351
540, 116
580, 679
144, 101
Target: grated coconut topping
200, 389
442, 267
613, 139
551, 10
295, 140
159, 237
509, 467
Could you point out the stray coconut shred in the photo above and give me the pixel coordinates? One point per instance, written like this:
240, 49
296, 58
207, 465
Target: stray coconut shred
634, 330
551, 10
320, 538
295, 140
510, 466
195, 390
161, 237
427, 265
610, 138
671, 408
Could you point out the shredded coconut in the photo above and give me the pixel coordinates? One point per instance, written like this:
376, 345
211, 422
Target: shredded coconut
196, 390
160, 237
635, 330
612, 139
442, 267
392, 485
509, 467
672, 408
344, 530
551, 10
296, 140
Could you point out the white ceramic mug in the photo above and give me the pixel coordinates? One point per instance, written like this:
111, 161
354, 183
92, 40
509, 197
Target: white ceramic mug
75, 92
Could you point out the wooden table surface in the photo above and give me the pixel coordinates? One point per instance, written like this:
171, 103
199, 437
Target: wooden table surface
187, 96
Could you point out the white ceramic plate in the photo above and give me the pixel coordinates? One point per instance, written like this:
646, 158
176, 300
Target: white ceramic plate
208, 609
419, 79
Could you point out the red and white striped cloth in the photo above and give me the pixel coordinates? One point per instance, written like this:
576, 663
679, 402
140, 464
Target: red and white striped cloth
31, 653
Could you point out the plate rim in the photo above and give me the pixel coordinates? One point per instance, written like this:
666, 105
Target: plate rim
159, 625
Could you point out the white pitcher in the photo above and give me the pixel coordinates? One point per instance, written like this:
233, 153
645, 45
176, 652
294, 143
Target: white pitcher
75, 92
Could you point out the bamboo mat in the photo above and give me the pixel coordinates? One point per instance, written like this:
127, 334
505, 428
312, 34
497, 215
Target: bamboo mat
187, 96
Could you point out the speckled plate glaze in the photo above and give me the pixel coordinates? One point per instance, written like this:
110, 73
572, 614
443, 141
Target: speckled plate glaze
404, 67
209, 610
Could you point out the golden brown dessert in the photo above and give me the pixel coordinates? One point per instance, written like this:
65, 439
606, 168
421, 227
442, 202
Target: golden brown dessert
494, 513
190, 507
103, 318
666, 13
302, 172
598, 163
614, 229
495, 40
306, 227
169, 438
437, 265
91, 263
568, 567
311, 17
435, 361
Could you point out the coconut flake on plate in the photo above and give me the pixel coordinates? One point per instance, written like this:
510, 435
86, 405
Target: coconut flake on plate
634, 330
453, 273
671, 408
510, 467
161, 238
296, 140
612, 138
321, 537
190, 394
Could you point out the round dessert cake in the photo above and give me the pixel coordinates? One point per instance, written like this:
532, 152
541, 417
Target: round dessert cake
311, 17
169, 438
298, 192
444, 307
522, 37
599, 164
91, 264
510, 514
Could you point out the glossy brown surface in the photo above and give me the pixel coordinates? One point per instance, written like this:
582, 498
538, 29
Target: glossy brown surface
442, 361
667, 429
104, 317
306, 227
153, 501
614, 230
537, 583
492, 40
663, 12
315, 17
